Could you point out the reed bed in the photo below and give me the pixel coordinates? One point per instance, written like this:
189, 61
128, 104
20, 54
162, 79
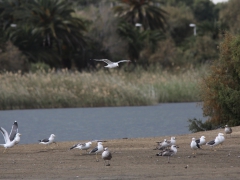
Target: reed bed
96, 89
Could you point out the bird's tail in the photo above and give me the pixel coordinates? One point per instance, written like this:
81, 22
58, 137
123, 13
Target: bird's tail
1, 144
159, 154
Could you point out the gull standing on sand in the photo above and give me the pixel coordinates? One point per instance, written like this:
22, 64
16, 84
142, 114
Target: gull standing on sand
228, 130
162, 145
110, 63
214, 142
221, 138
201, 141
97, 149
48, 141
168, 152
106, 155
82, 146
194, 145
8, 143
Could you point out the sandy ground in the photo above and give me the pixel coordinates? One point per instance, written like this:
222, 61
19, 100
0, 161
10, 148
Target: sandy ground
132, 159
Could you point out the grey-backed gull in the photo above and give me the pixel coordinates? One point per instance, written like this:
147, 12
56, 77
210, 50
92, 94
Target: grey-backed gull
194, 145
82, 146
97, 149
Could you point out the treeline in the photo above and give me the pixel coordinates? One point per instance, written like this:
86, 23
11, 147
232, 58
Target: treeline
66, 34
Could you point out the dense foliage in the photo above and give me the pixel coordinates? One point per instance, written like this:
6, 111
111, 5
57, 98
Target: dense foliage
66, 34
220, 89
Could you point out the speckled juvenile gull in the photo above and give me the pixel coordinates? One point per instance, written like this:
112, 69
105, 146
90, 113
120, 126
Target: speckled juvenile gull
168, 152
110, 63
228, 130
106, 155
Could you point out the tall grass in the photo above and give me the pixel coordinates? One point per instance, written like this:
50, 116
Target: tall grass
102, 88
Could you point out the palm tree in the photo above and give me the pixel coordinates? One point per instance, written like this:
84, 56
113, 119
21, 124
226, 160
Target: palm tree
134, 39
52, 22
146, 12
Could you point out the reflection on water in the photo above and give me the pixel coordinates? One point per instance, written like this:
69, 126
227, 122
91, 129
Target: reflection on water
73, 124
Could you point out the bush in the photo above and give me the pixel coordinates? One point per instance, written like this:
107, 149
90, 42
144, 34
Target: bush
11, 59
220, 90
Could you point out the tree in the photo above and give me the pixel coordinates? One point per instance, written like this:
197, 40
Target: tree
146, 12
220, 90
52, 22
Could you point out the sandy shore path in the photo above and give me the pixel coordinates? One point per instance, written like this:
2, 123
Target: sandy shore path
132, 159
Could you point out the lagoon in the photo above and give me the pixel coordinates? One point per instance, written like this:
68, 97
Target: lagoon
80, 124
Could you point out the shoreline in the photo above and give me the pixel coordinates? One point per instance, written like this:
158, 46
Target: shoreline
133, 158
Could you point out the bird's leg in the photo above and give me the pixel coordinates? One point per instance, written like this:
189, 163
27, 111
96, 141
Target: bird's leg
4, 150
96, 157
168, 159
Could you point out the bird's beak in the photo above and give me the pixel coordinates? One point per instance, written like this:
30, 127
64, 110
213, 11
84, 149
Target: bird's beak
177, 146
20, 134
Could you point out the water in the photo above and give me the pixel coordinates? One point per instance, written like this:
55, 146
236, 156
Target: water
76, 124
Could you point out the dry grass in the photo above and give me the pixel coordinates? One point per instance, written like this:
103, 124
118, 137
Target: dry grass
102, 88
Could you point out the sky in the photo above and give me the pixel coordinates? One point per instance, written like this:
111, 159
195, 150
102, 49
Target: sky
217, 1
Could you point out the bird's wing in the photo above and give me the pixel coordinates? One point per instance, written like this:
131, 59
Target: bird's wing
5, 135
168, 153
104, 60
14, 131
93, 150
44, 140
123, 61
197, 141
211, 142
73, 146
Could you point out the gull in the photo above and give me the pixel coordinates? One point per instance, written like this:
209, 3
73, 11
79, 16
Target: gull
194, 145
106, 155
172, 141
8, 143
221, 138
97, 149
201, 141
228, 130
168, 152
110, 63
214, 142
48, 141
163, 145
82, 146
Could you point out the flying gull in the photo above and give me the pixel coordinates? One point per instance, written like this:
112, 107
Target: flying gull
228, 130
168, 152
110, 63
48, 141
106, 155
97, 149
82, 146
194, 145
8, 143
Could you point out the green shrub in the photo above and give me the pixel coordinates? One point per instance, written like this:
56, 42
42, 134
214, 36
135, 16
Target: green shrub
220, 90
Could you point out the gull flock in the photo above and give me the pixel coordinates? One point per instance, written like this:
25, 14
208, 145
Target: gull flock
167, 148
